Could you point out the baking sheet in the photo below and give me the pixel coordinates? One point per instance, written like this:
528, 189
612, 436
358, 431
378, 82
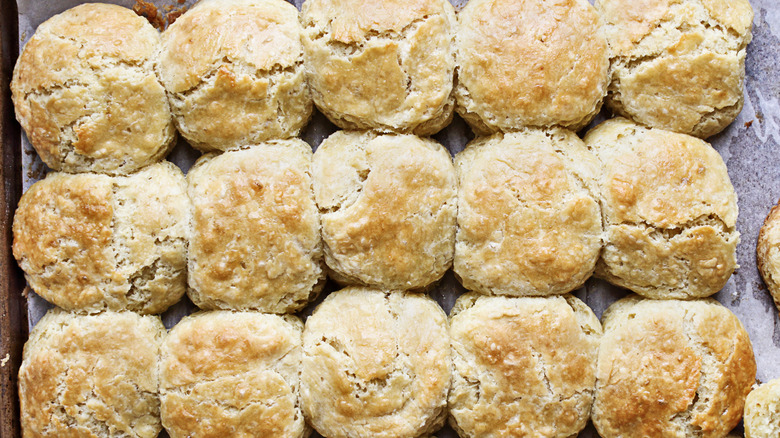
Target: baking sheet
750, 147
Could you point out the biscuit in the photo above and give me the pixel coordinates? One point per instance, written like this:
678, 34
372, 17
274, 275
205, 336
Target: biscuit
528, 219
85, 91
768, 253
91, 376
762, 411
677, 64
671, 368
522, 366
375, 364
91, 242
388, 206
385, 65
233, 70
256, 230
669, 211
225, 374
530, 63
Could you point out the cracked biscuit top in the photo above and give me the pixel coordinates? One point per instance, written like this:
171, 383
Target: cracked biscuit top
91, 242
86, 94
232, 374
522, 366
386, 65
671, 368
91, 376
529, 222
388, 206
233, 70
677, 64
530, 63
375, 364
762, 411
669, 211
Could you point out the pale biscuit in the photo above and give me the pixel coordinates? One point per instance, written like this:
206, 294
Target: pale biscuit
233, 70
376, 364
528, 219
388, 206
530, 63
677, 64
255, 229
669, 211
522, 366
762, 411
671, 368
386, 65
768, 253
226, 374
91, 376
91, 242
85, 91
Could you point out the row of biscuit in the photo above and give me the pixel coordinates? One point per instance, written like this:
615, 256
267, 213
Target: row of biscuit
530, 213
229, 73
390, 364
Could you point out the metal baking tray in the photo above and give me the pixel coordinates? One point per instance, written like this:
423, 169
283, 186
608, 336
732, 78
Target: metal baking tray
750, 147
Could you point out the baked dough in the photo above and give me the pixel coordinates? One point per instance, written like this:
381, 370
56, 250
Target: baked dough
90, 242
677, 64
375, 364
762, 411
91, 376
233, 70
528, 219
530, 63
671, 368
227, 374
388, 206
522, 366
669, 210
255, 229
85, 91
386, 65
768, 253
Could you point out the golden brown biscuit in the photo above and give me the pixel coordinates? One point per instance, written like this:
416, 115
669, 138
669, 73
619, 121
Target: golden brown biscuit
233, 70
255, 229
91, 376
669, 210
530, 63
375, 364
768, 253
91, 242
85, 91
528, 219
226, 374
386, 65
762, 411
671, 368
388, 206
522, 366
677, 64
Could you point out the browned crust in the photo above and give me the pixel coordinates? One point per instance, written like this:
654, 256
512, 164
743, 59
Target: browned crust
762, 253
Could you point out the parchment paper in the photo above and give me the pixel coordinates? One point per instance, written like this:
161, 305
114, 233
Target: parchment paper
750, 147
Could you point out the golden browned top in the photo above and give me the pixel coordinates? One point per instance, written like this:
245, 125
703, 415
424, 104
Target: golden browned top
671, 368
386, 65
90, 242
528, 220
86, 375
255, 231
375, 364
522, 366
85, 91
530, 63
768, 252
388, 206
232, 373
762, 411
